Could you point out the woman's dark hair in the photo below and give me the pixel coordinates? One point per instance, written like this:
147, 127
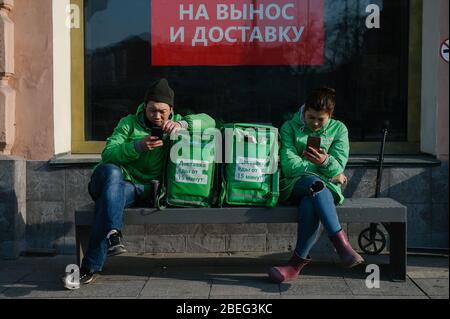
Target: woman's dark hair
322, 100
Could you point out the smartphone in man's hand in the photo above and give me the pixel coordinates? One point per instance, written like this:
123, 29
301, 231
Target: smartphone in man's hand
314, 142
157, 132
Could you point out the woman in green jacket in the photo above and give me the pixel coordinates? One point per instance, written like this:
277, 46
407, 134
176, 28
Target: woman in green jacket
133, 158
312, 180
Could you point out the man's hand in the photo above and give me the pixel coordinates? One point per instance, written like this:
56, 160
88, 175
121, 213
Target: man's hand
316, 157
340, 179
171, 127
149, 143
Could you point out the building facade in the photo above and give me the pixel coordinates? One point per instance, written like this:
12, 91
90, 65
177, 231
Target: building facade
70, 69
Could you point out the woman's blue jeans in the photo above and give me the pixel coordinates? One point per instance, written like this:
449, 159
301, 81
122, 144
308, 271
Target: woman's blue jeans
315, 205
112, 194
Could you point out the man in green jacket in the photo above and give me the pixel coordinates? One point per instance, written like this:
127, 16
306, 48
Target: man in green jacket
312, 180
133, 158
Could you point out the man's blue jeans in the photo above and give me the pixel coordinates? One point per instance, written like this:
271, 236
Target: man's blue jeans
314, 207
112, 194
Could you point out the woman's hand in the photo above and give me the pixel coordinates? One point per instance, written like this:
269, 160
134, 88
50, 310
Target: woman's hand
340, 179
316, 157
171, 127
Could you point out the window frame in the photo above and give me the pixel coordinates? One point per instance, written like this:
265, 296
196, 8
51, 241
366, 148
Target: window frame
79, 144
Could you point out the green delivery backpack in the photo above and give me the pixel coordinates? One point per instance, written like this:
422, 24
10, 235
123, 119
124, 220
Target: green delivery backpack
250, 174
189, 179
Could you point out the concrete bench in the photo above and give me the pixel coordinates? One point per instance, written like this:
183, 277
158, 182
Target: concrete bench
390, 213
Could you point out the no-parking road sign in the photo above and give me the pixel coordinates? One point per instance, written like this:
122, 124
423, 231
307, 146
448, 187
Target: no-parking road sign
444, 50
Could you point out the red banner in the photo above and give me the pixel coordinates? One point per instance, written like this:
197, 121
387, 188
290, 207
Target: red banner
238, 32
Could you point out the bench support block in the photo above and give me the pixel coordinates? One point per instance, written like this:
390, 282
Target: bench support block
82, 241
398, 248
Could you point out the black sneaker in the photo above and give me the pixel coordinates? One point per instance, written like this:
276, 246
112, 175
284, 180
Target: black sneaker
86, 277
115, 245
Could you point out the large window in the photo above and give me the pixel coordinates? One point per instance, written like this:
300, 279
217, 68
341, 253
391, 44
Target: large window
368, 67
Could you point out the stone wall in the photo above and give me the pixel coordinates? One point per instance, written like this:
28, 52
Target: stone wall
12, 206
53, 194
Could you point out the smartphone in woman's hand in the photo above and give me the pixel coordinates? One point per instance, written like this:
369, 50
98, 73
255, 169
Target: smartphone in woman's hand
314, 142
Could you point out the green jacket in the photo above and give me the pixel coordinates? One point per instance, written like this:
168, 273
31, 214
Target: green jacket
142, 168
294, 165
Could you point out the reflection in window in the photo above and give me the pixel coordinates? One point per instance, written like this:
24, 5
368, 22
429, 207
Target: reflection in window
369, 69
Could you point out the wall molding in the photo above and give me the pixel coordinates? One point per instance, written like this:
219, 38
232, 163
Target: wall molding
7, 93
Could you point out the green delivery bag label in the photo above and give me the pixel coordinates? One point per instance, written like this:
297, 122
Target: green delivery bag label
190, 172
250, 175
250, 169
